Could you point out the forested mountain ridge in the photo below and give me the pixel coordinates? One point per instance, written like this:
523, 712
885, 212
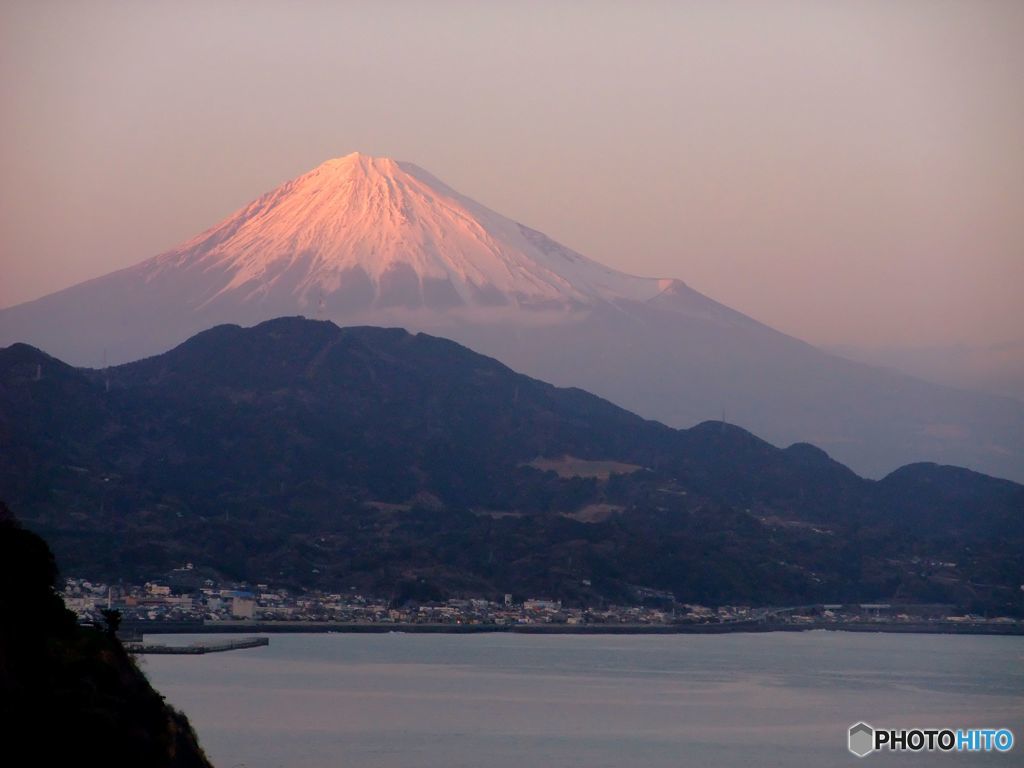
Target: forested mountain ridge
302, 453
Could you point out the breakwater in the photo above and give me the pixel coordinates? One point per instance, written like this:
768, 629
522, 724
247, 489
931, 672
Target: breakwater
197, 648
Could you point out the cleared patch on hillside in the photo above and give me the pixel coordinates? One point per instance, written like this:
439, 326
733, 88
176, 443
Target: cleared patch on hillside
570, 466
495, 514
594, 513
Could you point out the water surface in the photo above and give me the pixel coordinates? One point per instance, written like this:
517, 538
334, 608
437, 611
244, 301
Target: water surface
548, 701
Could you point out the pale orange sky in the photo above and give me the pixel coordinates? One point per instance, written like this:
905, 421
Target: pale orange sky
846, 172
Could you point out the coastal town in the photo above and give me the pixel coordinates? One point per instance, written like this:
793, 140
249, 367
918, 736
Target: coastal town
222, 607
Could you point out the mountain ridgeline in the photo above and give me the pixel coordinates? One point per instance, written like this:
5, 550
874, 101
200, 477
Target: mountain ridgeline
370, 241
296, 452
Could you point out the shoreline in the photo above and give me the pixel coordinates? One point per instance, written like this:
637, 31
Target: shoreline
319, 627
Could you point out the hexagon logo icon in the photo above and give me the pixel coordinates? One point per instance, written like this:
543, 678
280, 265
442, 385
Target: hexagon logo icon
861, 739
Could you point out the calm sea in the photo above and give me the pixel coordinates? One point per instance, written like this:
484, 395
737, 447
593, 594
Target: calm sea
497, 701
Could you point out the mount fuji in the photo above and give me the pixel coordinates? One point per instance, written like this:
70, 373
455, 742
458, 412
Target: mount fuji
369, 240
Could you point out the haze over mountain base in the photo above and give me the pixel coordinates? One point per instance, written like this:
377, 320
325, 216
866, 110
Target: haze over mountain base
997, 369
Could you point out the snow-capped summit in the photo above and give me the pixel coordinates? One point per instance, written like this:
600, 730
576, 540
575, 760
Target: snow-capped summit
359, 232
358, 239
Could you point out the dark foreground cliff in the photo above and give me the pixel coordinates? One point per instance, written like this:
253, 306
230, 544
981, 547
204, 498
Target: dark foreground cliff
69, 694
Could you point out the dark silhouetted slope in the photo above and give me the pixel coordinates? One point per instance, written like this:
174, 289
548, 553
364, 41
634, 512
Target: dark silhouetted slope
71, 695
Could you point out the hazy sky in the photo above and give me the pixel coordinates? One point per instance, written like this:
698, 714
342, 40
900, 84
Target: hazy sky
847, 172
